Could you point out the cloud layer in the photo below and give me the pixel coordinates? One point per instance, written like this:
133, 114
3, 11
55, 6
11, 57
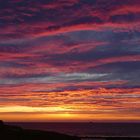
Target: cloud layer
77, 54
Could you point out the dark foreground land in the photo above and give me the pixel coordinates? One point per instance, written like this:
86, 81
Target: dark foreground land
9, 132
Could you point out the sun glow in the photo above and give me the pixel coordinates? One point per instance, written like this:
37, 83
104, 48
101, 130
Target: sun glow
32, 109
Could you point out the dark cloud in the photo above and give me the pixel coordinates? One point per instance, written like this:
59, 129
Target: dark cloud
30, 18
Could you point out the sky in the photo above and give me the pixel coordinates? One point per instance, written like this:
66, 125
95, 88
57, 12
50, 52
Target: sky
70, 60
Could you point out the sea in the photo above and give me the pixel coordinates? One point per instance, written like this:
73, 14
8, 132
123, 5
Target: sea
85, 130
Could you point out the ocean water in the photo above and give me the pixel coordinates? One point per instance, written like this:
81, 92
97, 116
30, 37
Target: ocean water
85, 129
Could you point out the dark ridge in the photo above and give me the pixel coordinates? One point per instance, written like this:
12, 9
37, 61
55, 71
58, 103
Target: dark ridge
8, 132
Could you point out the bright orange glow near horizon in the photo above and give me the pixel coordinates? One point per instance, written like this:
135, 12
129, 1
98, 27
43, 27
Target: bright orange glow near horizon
68, 117
87, 105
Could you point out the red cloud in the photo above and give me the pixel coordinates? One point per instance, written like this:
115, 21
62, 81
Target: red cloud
53, 20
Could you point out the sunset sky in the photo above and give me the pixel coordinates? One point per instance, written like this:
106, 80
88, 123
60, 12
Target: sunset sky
70, 60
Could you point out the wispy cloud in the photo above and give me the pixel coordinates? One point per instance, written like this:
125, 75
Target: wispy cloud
80, 53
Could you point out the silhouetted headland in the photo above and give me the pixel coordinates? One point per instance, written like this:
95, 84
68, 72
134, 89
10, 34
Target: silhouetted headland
8, 132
